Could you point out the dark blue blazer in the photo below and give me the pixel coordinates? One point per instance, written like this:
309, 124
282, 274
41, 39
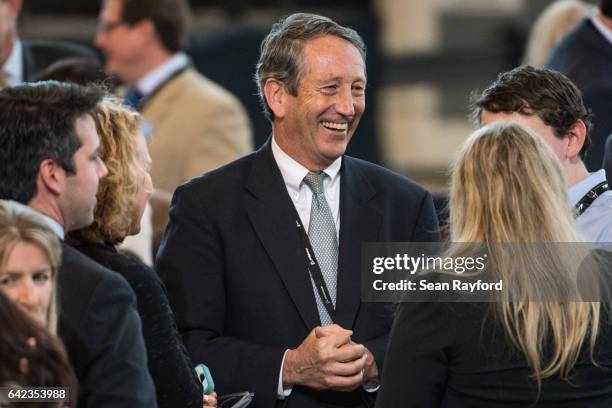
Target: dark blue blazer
233, 264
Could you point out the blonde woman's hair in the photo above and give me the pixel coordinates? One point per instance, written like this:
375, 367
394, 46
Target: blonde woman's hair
118, 127
559, 18
19, 223
507, 188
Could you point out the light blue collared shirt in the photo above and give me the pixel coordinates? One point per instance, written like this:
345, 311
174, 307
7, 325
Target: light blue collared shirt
595, 223
54, 225
158, 75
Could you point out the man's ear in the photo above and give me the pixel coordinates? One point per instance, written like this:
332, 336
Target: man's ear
52, 176
146, 31
577, 136
276, 96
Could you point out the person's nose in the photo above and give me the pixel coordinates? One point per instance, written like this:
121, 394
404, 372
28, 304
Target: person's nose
345, 103
100, 40
102, 170
27, 296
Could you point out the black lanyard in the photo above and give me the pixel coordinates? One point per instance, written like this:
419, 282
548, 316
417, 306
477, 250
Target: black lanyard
589, 197
159, 87
315, 271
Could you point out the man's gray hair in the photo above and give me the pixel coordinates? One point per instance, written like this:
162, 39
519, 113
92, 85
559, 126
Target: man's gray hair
280, 51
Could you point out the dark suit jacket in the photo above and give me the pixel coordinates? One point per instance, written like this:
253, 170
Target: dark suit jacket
102, 333
607, 160
236, 274
447, 355
585, 57
39, 54
173, 372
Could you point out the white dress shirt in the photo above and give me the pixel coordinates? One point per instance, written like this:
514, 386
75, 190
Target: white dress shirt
13, 67
601, 27
293, 175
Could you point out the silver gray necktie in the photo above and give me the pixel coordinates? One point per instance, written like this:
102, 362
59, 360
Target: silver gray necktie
323, 239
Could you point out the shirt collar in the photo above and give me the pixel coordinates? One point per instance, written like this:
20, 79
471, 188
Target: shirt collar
54, 225
579, 190
150, 81
13, 68
293, 172
601, 27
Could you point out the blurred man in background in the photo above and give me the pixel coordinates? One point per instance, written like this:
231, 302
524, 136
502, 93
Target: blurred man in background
20, 61
197, 125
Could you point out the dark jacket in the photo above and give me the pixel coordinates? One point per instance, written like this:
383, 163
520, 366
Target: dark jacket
234, 266
172, 370
448, 355
585, 57
102, 333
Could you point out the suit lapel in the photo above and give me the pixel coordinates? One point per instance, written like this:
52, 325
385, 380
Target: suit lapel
273, 216
359, 222
159, 106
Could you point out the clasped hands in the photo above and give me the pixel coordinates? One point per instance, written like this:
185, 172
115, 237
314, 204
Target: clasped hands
329, 359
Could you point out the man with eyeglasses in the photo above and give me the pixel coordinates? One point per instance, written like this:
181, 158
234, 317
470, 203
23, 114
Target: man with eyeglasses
197, 125
21, 61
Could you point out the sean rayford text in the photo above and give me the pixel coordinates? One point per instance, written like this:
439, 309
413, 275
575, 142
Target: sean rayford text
456, 285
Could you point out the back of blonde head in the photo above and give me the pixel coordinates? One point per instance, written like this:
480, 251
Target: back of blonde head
507, 187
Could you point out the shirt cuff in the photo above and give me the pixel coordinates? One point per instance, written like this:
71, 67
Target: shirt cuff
371, 387
282, 392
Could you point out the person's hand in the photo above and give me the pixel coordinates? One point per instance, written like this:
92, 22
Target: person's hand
24, 366
370, 375
210, 400
326, 359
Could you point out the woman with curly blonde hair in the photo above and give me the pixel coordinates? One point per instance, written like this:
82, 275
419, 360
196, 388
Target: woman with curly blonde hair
121, 200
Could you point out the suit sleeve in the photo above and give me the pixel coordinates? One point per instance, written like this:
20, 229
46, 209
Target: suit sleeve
192, 264
416, 365
118, 375
223, 136
426, 229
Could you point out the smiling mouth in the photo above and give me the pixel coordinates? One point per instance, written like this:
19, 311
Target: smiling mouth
336, 126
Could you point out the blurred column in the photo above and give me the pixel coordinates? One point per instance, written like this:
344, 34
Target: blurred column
413, 138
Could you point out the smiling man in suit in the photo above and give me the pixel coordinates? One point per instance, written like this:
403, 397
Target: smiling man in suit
234, 256
197, 125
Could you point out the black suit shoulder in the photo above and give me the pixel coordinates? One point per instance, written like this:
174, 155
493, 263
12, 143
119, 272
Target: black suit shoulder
40, 54
584, 56
384, 179
101, 330
172, 370
469, 360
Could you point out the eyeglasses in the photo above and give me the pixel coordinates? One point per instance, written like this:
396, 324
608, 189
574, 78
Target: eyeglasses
106, 28
236, 400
